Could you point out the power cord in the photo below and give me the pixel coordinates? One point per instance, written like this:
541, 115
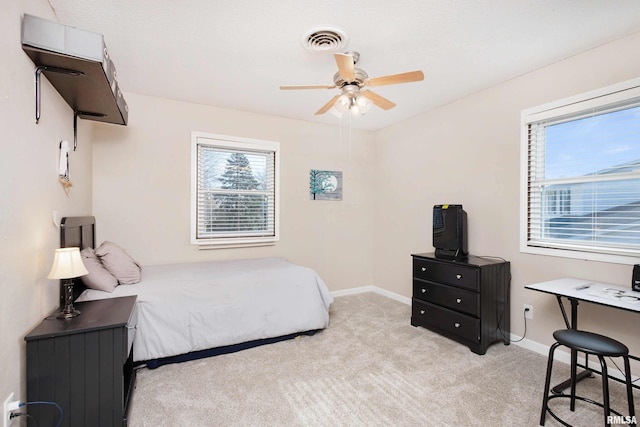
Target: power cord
524, 316
21, 414
494, 257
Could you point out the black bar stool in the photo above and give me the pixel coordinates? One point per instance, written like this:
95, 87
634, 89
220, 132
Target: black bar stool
599, 346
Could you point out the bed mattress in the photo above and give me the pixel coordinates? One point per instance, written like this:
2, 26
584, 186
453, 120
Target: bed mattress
184, 308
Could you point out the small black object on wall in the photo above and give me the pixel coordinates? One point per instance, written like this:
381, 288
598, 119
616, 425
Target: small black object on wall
635, 278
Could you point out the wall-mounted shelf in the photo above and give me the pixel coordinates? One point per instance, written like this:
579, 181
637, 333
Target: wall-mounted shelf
88, 78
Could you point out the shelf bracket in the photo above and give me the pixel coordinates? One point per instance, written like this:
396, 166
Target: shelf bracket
75, 124
39, 71
76, 113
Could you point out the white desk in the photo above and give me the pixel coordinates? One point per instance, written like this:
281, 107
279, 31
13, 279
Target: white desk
576, 290
589, 291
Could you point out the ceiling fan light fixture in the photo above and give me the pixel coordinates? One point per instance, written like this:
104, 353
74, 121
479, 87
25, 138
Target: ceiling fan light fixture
343, 103
353, 83
354, 103
363, 104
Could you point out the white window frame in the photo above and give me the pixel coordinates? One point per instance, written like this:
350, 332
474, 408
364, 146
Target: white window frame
240, 144
608, 95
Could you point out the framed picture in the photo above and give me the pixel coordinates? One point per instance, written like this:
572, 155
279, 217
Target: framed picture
325, 185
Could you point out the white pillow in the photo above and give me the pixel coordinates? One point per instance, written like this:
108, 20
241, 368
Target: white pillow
99, 277
119, 263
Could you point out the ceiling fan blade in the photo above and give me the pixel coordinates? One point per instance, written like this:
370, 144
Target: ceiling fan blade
327, 106
346, 66
378, 100
392, 79
307, 87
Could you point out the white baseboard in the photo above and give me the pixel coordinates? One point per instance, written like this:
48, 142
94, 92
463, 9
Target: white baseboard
353, 291
532, 345
543, 349
377, 290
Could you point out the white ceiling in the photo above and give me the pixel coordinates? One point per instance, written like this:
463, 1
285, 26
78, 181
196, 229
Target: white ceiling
236, 53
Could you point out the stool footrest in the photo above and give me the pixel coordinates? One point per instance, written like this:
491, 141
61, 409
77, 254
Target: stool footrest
583, 399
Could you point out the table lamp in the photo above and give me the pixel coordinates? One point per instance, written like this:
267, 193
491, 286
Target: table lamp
67, 264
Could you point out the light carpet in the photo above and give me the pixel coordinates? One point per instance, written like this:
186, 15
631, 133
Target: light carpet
370, 367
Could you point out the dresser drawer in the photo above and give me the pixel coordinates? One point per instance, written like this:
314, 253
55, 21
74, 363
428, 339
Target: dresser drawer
461, 325
448, 296
449, 273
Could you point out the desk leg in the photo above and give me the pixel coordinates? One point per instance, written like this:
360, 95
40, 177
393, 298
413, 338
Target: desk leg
574, 313
563, 311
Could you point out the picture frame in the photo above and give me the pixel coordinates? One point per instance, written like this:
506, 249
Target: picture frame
325, 185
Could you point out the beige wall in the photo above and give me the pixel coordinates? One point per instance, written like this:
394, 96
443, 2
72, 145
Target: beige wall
469, 152
135, 179
30, 192
142, 188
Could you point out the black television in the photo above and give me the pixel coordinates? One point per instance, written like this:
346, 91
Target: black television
450, 231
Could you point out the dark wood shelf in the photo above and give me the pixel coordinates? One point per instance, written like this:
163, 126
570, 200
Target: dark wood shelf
93, 95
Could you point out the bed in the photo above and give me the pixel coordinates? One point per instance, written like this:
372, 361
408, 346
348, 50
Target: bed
193, 310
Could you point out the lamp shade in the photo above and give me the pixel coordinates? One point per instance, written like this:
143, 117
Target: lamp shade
363, 104
352, 102
67, 264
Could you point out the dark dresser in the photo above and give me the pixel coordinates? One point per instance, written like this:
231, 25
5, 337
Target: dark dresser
84, 364
466, 300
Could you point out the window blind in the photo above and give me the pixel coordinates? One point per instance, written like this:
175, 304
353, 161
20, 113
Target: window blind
583, 177
235, 191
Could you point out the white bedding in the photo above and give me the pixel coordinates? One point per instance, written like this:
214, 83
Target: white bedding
189, 307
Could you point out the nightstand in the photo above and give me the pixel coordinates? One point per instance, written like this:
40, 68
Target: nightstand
84, 364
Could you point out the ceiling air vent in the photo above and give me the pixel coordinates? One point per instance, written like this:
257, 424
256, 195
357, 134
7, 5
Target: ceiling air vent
325, 39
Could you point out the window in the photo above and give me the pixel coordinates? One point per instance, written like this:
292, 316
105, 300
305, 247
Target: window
581, 176
234, 190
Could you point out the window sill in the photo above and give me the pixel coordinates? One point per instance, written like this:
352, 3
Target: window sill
233, 243
583, 255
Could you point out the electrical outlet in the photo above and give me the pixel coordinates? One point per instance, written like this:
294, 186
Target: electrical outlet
5, 418
528, 311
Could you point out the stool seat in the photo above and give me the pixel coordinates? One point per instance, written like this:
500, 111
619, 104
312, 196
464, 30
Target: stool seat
589, 342
599, 346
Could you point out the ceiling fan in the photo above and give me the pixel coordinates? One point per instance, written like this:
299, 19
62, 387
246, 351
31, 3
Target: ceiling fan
351, 80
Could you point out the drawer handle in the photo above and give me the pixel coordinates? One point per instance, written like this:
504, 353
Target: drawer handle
458, 300
423, 290
424, 268
457, 325
458, 276
422, 312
